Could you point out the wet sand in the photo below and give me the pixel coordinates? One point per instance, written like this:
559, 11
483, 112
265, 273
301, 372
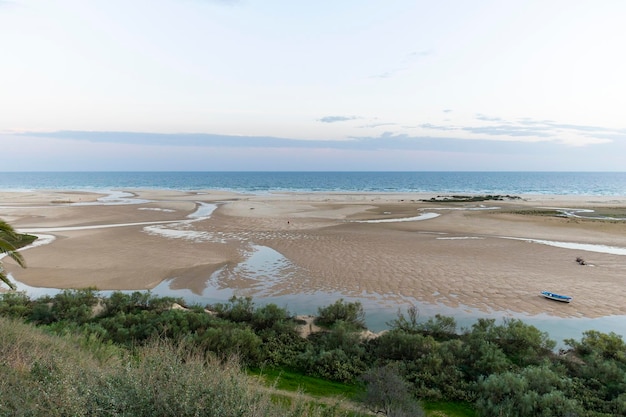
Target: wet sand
462, 256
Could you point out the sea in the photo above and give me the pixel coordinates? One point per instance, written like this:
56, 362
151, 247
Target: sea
502, 183
378, 311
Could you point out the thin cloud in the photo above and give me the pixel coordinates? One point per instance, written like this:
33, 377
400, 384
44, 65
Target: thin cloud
417, 55
390, 141
335, 119
375, 125
152, 151
172, 139
385, 141
405, 64
488, 118
384, 75
530, 130
582, 128
508, 130
438, 127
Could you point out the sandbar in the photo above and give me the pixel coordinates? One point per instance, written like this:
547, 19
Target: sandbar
487, 255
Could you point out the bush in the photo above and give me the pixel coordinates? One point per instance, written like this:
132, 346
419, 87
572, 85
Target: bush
349, 313
238, 309
535, 391
229, 340
15, 305
523, 344
401, 346
440, 327
270, 316
74, 305
387, 393
608, 346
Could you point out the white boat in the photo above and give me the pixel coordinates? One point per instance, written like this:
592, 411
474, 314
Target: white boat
556, 297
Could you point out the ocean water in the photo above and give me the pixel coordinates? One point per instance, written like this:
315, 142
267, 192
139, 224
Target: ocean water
513, 183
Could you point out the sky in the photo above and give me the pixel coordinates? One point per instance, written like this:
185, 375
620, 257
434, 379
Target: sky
350, 85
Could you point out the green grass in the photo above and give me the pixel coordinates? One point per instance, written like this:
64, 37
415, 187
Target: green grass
599, 214
293, 381
470, 198
448, 409
534, 212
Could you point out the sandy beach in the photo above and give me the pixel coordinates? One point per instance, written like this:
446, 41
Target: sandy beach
487, 255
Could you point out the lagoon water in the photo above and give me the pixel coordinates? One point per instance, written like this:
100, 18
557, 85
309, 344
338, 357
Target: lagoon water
267, 265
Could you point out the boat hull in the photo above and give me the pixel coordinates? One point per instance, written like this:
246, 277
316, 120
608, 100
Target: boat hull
556, 297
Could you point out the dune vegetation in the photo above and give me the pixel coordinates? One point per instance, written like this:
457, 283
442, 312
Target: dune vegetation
79, 353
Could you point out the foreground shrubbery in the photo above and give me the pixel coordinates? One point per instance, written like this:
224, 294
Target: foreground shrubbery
507, 369
45, 375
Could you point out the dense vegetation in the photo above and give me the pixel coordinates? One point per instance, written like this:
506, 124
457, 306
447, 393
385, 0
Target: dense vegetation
500, 369
470, 198
47, 375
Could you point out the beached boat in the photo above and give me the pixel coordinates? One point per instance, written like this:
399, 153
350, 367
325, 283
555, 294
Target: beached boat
556, 297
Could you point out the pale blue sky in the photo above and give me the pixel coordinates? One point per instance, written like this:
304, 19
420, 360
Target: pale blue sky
302, 85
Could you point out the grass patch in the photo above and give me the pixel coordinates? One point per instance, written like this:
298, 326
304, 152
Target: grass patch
604, 215
293, 381
448, 409
612, 212
470, 198
535, 212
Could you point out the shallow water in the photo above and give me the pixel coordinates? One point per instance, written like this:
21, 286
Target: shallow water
423, 216
613, 250
266, 271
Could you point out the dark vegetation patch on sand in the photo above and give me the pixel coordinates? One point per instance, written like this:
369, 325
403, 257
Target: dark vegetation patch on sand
470, 198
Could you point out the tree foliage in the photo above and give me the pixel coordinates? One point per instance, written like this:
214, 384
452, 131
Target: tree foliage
535, 391
8, 238
440, 327
388, 393
341, 311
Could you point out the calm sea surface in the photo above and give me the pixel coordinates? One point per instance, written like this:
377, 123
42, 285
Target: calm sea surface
564, 183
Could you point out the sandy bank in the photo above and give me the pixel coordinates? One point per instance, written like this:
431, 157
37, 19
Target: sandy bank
461, 257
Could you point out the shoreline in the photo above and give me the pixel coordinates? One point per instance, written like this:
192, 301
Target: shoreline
460, 258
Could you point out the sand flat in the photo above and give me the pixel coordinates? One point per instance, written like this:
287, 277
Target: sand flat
462, 257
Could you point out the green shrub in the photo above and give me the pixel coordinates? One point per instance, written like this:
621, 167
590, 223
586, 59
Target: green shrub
229, 340
440, 327
608, 346
522, 343
238, 309
387, 393
535, 391
15, 304
349, 313
74, 305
